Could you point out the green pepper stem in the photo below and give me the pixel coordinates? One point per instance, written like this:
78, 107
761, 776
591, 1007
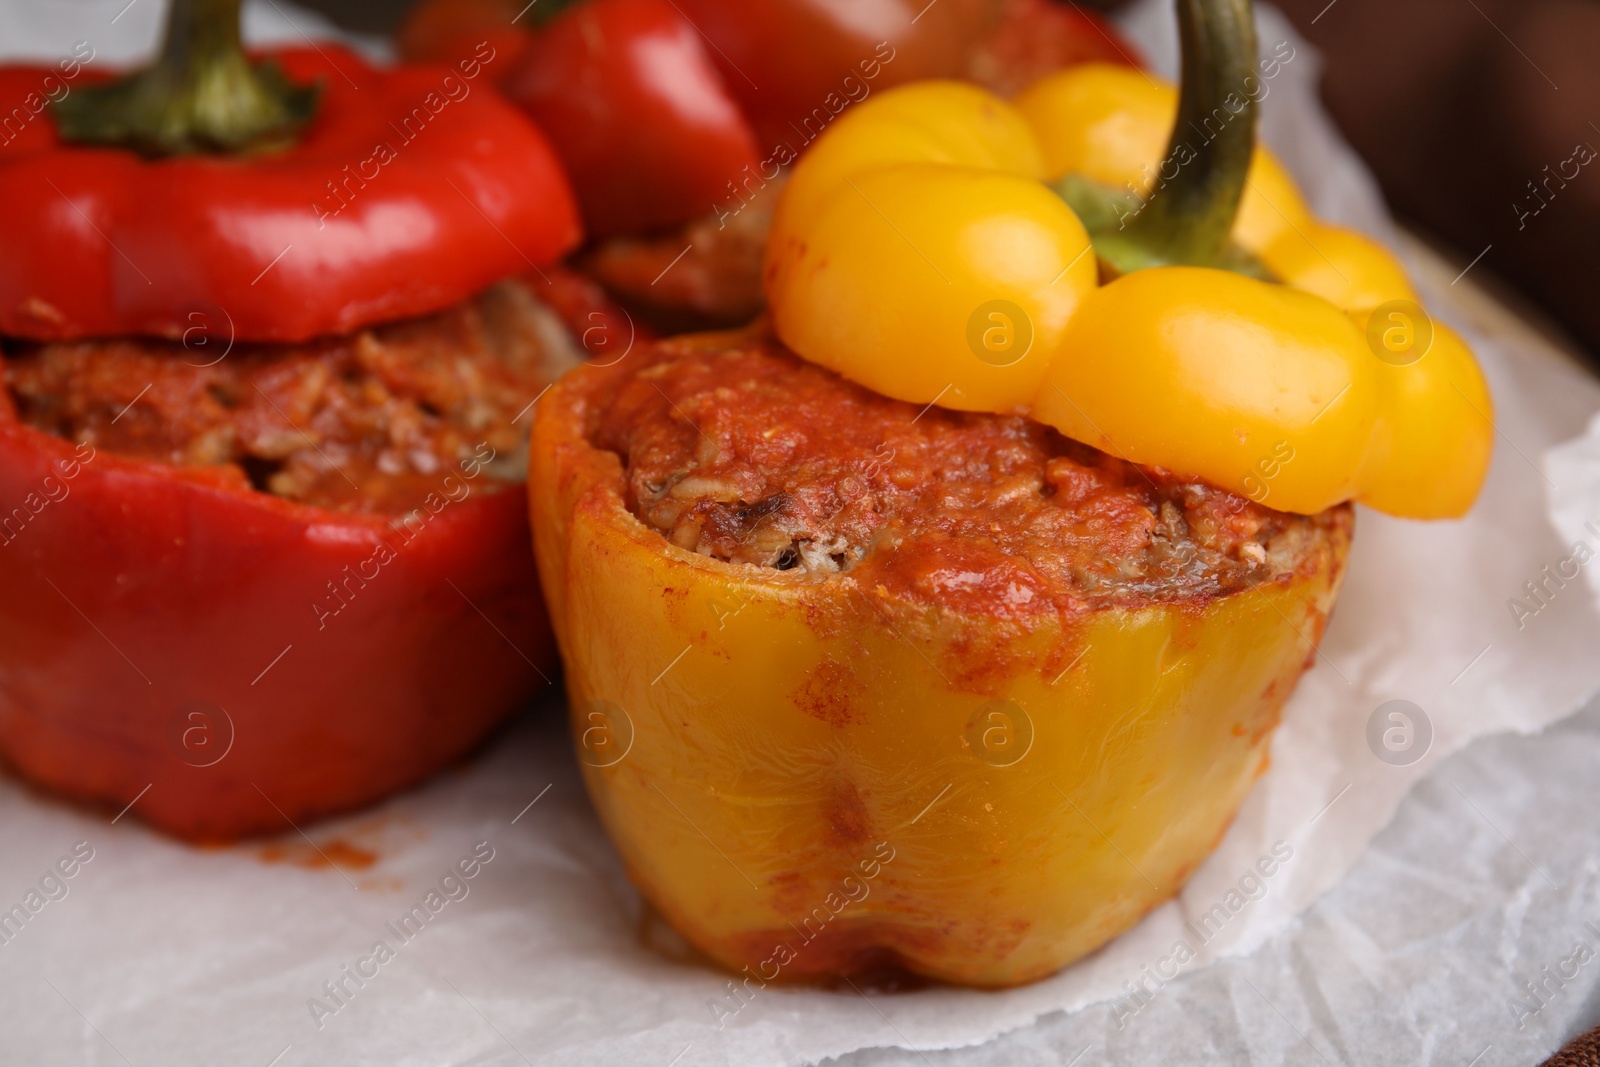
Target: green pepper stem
1188, 213
201, 95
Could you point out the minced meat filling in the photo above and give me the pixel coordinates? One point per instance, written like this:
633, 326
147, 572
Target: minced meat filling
749, 455
364, 423
706, 273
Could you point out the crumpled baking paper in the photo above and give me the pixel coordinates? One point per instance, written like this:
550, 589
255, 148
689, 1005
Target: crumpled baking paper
1574, 472
151, 952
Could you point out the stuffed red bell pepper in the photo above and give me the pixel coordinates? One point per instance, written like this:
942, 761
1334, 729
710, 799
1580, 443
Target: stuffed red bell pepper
268, 360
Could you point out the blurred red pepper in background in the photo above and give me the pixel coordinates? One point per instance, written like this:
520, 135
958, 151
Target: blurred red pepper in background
788, 59
445, 31
643, 122
1036, 37
666, 111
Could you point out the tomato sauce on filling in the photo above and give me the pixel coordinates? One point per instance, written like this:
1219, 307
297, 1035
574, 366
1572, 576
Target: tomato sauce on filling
749, 455
704, 274
371, 422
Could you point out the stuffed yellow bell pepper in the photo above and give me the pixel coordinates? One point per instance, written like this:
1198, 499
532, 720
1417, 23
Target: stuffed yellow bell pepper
947, 629
856, 685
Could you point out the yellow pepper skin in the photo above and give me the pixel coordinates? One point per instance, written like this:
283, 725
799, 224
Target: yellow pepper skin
976, 271
1110, 124
785, 845
945, 122
1265, 391
1432, 449
1272, 206
1348, 269
920, 224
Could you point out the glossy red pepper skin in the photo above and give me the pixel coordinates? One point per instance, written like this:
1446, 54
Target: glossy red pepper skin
604, 330
784, 58
325, 236
138, 594
1039, 37
634, 104
753, 97
444, 32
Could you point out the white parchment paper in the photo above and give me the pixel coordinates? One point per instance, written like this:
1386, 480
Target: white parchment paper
162, 954
1574, 470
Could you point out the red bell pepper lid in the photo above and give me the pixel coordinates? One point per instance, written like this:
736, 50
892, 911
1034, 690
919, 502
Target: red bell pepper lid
301, 193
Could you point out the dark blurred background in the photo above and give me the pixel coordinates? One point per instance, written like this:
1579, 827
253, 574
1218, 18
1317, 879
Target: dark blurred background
368, 16
1479, 117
